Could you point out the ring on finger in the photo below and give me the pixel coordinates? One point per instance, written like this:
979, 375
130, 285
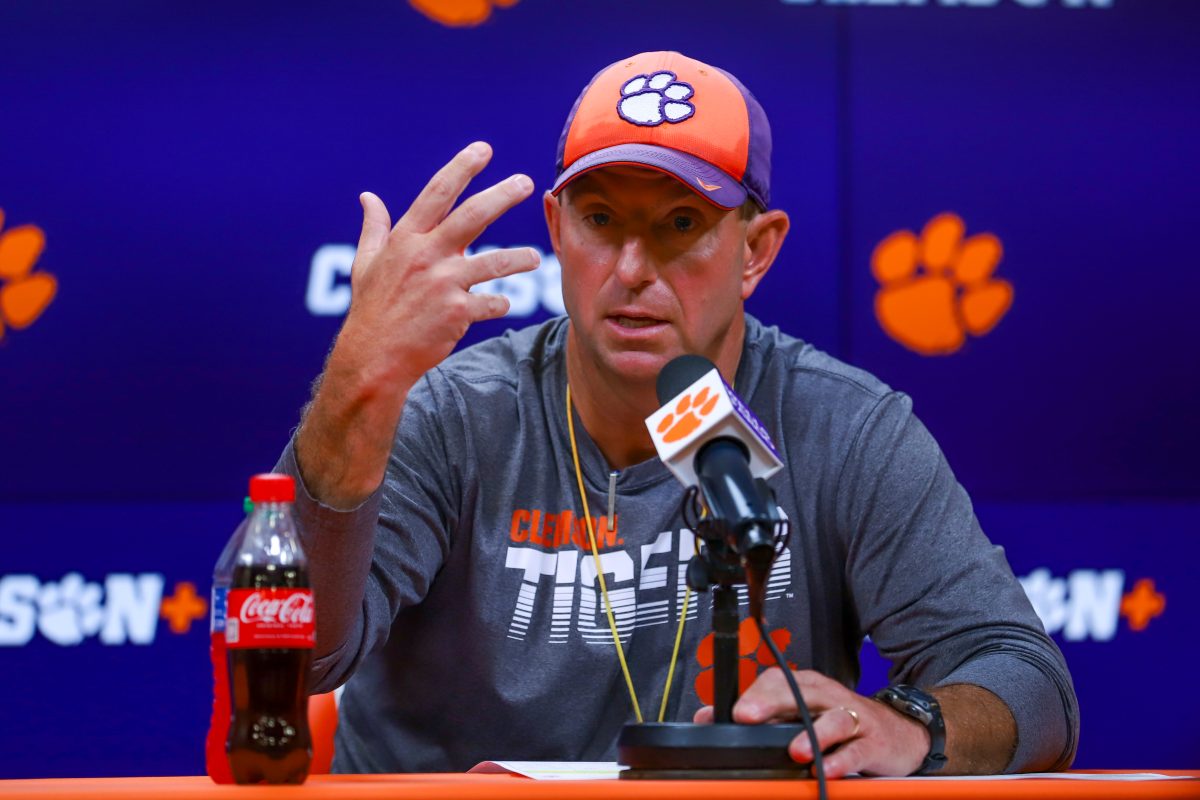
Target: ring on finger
854, 716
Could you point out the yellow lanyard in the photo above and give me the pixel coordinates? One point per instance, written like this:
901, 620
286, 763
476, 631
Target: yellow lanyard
612, 623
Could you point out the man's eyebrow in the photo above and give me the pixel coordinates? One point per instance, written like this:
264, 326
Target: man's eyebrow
595, 190
585, 193
584, 186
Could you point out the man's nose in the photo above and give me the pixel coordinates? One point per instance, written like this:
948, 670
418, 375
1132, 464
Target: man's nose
633, 268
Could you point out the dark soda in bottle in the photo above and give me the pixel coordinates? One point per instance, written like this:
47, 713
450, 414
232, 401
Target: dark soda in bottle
269, 637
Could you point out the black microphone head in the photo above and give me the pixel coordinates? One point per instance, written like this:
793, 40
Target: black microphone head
680, 373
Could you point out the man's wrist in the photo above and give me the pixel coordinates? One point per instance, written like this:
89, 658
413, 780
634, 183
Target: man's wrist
924, 710
346, 432
358, 360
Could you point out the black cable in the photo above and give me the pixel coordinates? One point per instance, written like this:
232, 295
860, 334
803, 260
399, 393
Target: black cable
818, 762
690, 509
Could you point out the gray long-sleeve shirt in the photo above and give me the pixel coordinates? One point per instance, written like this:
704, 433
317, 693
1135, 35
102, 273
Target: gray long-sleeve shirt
460, 601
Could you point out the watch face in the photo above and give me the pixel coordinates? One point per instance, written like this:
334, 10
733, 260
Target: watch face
918, 712
924, 708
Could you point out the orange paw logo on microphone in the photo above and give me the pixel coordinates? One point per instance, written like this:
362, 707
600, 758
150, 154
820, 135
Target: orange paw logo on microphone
24, 293
459, 13
706, 409
937, 288
685, 418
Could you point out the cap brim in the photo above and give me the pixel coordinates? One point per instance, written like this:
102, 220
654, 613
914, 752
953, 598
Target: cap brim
714, 185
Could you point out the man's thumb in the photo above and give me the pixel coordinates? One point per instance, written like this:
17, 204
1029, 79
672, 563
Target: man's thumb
376, 225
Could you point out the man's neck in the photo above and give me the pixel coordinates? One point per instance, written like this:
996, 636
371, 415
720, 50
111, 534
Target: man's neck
614, 410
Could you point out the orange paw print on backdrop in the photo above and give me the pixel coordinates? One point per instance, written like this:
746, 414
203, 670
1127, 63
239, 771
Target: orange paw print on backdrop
24, 294
936, 289
459, 13
686, 417
753, 657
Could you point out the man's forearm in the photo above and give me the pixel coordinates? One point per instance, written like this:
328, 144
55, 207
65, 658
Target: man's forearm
981, 733
346, 433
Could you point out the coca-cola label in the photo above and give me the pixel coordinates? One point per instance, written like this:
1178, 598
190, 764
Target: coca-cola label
270, 618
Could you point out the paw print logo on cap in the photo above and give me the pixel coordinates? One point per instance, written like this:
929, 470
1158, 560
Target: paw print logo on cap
651, 100
937, 288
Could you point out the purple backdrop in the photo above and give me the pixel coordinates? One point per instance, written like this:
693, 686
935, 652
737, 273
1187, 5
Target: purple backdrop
195, 168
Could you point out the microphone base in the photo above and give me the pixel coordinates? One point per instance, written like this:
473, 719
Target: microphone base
729, 751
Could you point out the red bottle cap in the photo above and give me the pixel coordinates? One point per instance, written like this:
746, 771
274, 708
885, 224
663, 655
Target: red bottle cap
271, 487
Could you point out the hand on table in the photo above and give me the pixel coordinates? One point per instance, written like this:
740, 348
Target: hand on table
874, 740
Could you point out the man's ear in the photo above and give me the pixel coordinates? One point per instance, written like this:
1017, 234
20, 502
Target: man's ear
553, 215
764, 236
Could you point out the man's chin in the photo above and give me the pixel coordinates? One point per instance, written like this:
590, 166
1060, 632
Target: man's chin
637, 366
632, 363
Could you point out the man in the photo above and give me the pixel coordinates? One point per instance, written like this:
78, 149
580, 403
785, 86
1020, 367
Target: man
456, 584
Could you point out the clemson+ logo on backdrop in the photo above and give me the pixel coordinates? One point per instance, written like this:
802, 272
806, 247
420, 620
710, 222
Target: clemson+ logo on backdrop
122, 608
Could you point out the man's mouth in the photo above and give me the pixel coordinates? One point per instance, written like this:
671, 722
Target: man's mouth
636, 322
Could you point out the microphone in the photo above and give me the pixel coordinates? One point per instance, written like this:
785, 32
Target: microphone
697, 406
709, 439
720, 451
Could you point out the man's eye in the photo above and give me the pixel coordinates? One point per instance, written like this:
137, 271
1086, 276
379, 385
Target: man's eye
684, 224
599, 219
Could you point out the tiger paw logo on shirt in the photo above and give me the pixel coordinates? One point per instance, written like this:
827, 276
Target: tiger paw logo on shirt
270, 618
753, 657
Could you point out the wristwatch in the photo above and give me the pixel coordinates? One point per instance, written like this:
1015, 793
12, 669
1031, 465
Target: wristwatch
924, 708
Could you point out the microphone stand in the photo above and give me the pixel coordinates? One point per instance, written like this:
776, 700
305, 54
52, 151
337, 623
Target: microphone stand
724, 749
725, 623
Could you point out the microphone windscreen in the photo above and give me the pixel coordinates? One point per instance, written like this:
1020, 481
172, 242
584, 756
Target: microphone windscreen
680, 373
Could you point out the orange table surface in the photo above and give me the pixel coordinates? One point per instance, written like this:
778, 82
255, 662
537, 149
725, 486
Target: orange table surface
504, 787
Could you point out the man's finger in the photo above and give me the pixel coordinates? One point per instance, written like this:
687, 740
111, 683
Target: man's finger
850, 757
498, 264
770, 696
439, 195
703, 716
478, 211
481, 306
833, 727
376, 225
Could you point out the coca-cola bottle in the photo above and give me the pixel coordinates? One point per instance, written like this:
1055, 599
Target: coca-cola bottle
269, 636
216, 760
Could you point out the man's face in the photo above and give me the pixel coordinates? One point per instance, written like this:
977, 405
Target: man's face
650, 271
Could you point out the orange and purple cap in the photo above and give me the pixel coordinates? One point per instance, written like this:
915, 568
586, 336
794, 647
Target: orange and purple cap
668, 112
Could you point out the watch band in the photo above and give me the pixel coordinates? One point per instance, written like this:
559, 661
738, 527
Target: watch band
924, 708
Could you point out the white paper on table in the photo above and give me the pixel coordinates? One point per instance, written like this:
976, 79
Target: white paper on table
610, 770
553, 770
1061, 776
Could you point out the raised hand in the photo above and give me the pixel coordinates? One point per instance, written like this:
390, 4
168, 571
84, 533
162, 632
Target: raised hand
411, 301
411, 304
